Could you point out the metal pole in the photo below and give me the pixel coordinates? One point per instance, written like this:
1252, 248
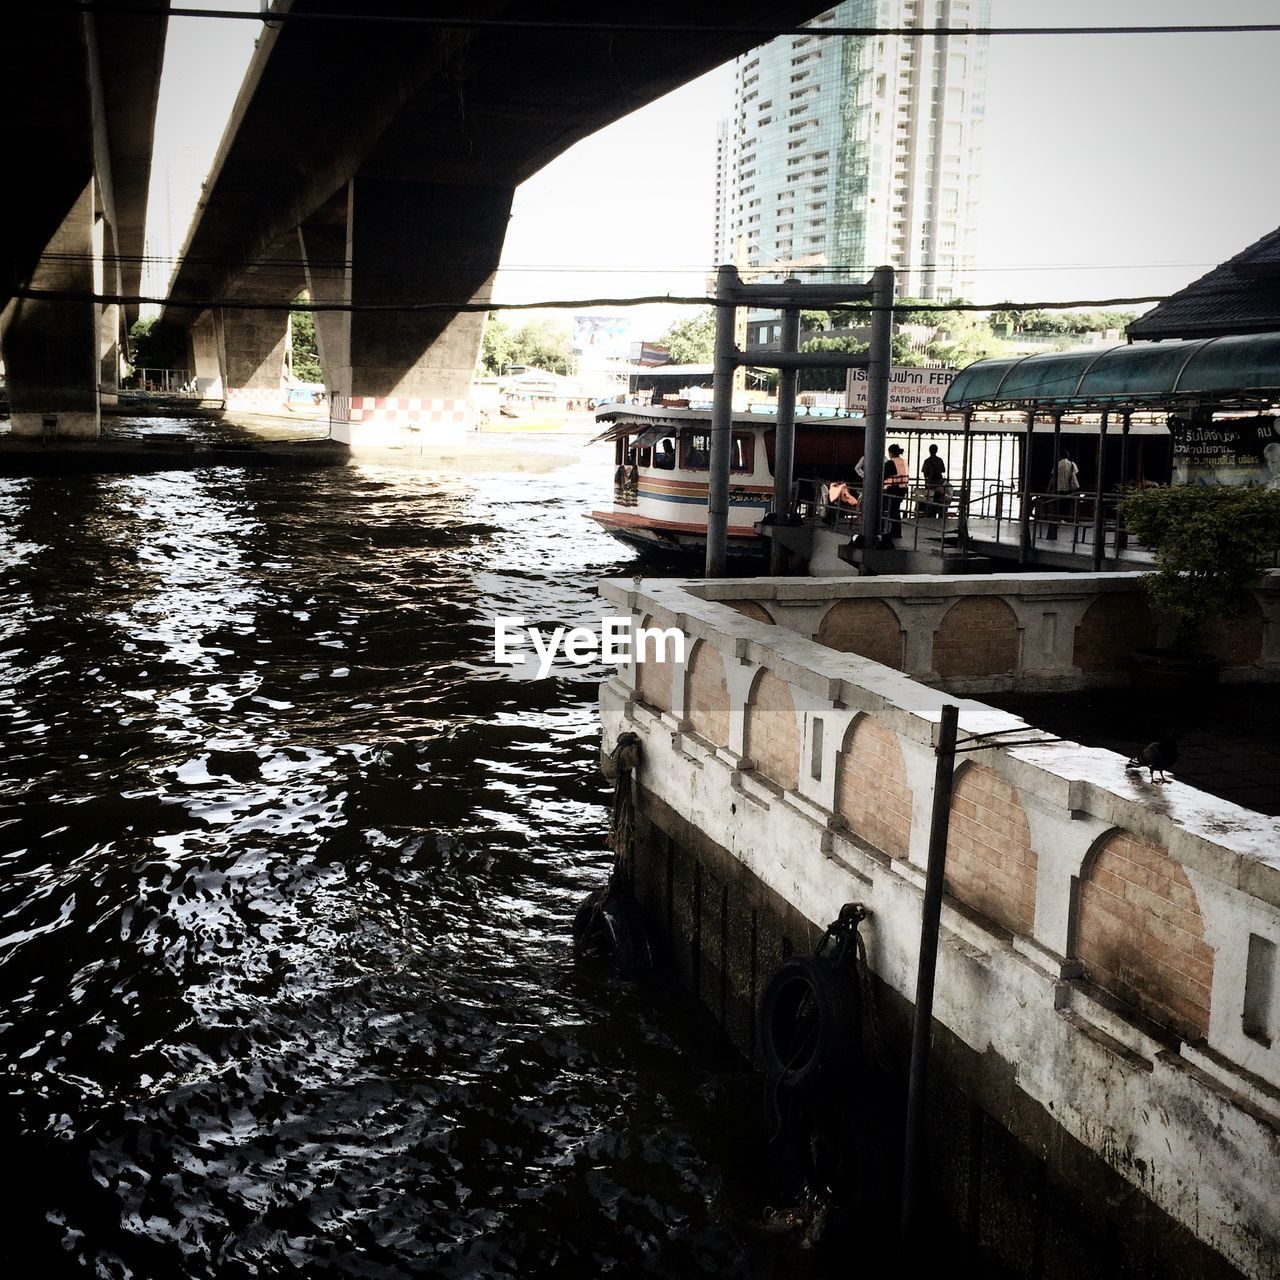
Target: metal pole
1099, 523
1024, 531
962, 508
930, 923
878, 368
1121, 539
785, 435
721, 423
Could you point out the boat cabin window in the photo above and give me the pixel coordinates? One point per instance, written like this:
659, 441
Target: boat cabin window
664, 456
696, 451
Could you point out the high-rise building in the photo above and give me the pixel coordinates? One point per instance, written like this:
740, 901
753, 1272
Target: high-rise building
850, 152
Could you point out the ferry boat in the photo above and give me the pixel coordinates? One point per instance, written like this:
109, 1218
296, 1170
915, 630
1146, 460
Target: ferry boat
537, 400
662, 454
662, 458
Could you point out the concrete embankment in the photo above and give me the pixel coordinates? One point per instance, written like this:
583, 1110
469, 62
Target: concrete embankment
25, 457
1105, 1092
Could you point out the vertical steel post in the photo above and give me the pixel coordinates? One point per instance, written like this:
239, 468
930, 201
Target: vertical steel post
878, 368
1024, 529
721, 422
785, 435
1099, 520
930, 923
1126, 422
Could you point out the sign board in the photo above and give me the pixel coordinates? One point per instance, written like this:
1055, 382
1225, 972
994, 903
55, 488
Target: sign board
911, 390
1228, 451
607, 336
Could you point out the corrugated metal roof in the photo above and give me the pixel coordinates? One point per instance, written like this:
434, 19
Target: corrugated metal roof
1241, 369
1240, 296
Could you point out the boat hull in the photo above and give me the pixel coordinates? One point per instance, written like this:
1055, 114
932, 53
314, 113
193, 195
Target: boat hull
672, 536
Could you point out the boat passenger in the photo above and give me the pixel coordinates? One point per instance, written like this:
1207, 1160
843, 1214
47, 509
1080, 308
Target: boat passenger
664, 456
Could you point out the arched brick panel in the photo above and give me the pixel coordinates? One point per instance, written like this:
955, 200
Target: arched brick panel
751, 609
978, 636
654, 678
991, 865
1140, 935
773, 738
1113, 626
707, 701
866, 627
871, 792
1237, 642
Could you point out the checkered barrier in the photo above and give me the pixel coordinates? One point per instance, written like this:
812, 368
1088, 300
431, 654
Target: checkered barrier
257, 399
405, 412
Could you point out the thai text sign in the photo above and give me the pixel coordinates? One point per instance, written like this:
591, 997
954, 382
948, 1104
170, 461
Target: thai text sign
1230, 451
911, 390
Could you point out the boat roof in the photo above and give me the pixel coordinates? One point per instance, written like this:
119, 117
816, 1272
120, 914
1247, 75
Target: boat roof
657, 420
1237, 371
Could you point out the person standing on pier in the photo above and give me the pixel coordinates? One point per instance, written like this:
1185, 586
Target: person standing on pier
933, 471
895, 489
1066, 483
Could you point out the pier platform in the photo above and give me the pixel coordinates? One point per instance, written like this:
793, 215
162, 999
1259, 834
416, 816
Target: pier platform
1105, 1084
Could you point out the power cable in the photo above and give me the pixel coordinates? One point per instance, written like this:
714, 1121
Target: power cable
192, 304
270, 17
281, 266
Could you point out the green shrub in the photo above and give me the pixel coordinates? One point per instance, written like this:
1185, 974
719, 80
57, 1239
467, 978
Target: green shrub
1211, 545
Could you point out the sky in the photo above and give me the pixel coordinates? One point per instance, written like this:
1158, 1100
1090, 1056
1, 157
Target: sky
1113, 166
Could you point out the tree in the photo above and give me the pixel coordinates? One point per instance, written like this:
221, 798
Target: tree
903, 353
154, 346
964, 340
495, 347
541, 344
544, 345
827, 379
811, 321
305, 352
692, 341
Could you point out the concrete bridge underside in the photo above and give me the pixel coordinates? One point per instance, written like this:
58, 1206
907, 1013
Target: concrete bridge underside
76, 137
376, 163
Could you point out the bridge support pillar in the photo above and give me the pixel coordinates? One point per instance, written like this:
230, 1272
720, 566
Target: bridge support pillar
405, 380
324, 256
253, 345
52, 347
107, 280
207, 357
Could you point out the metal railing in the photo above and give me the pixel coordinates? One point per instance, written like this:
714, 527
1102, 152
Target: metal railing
169, 382
924, 523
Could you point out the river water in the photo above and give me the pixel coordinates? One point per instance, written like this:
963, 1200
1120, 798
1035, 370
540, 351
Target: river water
288, 873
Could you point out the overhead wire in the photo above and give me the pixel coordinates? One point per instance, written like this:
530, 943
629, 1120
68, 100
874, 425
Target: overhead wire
262, 266
409, 307
459, 23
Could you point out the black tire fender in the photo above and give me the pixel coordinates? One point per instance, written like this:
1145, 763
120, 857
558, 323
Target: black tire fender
609, 923
808, 1023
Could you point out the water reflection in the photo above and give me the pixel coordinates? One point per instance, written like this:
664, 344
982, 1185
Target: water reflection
288, 867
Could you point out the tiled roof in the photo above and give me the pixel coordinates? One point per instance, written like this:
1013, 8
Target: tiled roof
1240, 296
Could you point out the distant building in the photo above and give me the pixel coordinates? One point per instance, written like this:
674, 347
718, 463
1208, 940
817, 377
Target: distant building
857, 151
1240, 296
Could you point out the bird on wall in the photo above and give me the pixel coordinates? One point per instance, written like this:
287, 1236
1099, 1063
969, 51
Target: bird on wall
1158, 756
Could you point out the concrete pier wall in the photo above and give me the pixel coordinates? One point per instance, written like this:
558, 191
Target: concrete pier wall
995, 632
1108, 1012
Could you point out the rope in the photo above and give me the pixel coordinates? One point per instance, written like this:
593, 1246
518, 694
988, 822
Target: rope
622, 765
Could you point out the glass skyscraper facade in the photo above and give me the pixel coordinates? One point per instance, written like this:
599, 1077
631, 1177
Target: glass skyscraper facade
844, 153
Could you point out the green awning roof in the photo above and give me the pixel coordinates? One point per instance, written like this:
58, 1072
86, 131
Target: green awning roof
1239, 370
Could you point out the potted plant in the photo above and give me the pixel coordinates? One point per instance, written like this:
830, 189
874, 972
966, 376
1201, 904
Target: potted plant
1211, 544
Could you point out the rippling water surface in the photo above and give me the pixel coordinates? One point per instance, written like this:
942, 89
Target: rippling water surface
288, 870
